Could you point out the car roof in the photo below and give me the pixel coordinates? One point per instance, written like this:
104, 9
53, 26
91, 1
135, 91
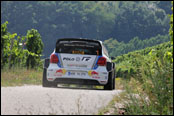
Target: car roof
78, 39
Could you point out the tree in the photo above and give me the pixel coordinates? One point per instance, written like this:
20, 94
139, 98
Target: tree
171, 25
4, 43
101, 20
34, 45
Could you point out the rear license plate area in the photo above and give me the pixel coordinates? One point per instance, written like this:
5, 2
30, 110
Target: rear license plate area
77, 73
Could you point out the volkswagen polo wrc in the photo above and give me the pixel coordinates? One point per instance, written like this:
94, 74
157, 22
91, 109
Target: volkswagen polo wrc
79, 61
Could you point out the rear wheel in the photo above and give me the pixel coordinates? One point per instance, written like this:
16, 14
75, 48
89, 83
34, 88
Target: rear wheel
45, 82
109, 85
114, 81
114, 84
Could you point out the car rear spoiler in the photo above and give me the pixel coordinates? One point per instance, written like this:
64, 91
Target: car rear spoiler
77, 39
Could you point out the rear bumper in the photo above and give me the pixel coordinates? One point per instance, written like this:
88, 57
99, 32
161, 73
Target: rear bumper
86, 77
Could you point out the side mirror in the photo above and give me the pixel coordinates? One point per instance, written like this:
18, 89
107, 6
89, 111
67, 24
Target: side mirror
112, 58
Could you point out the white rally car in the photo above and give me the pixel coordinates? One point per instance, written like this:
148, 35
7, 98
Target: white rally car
79, 61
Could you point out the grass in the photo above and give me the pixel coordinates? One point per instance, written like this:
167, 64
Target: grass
20, 76
115, 106
148, 87
110, 109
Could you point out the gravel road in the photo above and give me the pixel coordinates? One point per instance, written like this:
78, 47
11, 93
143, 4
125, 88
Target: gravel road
37, 100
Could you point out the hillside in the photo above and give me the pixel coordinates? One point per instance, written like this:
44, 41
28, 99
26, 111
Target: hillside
127, 64
121, 20
116, 48
147, 77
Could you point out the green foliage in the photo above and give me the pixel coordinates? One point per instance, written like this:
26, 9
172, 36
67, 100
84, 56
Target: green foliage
128, 65
35, 47
171, 25
9, 46
140, 19
12, 48
121, 20
4, 43
19, 76
156, 78
169, 55
116, 48
153, 69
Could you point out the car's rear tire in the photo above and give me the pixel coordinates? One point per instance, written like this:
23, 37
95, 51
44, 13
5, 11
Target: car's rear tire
45, 82
109, 85
114, 76
113, 83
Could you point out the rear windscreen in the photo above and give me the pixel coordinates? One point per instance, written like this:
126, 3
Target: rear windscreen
79, 47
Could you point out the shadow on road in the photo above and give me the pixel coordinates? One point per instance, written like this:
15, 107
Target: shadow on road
81, 87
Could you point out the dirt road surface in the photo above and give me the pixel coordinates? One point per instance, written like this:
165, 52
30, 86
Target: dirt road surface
36, 100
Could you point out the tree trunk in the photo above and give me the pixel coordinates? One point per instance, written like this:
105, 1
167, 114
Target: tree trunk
2, 55
11, 47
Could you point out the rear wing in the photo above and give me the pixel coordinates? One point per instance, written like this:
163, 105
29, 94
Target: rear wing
77, 39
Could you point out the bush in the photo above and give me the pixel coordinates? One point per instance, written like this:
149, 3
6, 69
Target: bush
157, 83
34, 44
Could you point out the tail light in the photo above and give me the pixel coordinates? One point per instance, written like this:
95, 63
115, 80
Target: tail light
101, 61
54, 58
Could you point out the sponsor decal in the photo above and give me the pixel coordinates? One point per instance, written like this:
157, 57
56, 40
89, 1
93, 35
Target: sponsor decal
83, 74
86, 58
72, 73
82, 66
106, 77
89, 72
76, 65
78, 73
70, 65
77, 59
60, 72
105, 73
68, 59
93, 74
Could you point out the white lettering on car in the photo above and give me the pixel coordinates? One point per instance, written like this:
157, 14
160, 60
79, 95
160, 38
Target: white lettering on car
77, 59
86, 58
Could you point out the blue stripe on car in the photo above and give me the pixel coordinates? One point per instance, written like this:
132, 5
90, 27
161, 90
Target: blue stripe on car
96, 66
59, 65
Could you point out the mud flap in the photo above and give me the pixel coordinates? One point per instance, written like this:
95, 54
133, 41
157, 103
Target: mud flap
111, 77
109, 66
46, 62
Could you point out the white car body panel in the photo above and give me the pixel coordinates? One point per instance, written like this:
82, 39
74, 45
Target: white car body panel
78, 69
77, 61
78, 66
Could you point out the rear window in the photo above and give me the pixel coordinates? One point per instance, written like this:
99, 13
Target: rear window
79, 47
